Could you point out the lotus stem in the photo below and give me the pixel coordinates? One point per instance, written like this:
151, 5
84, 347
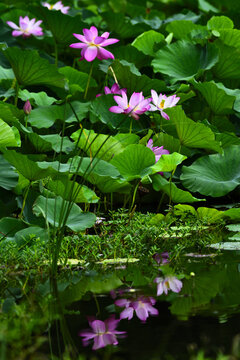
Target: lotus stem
88, 82
24, 199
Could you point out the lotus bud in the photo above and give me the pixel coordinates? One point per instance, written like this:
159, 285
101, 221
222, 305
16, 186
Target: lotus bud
27, 108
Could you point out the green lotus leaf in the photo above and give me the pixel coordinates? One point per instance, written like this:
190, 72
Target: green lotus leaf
218, 100
62, 26
146, 42
9, 226
6, 73
134, 162
168, 163
7, 135
220, 22
41, 98
99, 109
212, 216
45, 143
233, 214
230, 37
177, 195
170, 143
28, 168
8, 175
30, 69
182, 28
100, 145
11, 114
183, 60
227, 66
118, 23
100, 173
55, 211
206, 6
190, 133
227, 139
77, 80
72, 191
214, 175
136, 83
45, 117
131, 55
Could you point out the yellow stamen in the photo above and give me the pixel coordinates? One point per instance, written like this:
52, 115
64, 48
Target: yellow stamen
161, 105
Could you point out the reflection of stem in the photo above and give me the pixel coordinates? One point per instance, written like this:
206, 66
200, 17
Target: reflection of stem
97, 305
114, 75
16, 94
88, 82
24, 199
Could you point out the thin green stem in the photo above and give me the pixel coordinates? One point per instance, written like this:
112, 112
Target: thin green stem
88, 82
160, 202
56, 53
16, 94
170, 180
24, 199
130, 128
134, 196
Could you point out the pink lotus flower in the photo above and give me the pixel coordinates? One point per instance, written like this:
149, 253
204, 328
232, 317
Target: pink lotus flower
158, 151
26, 27
143, 307
58, 6
163, 102
136, 106
168, 283
115, 89
103, 333
93, 45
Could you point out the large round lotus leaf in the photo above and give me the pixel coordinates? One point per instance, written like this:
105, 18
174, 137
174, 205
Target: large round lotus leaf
214, 175
183, 60
134, 162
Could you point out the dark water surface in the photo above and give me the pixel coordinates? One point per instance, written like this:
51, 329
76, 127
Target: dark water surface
204, 315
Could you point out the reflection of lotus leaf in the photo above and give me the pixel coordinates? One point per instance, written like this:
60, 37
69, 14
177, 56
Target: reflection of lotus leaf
226, 245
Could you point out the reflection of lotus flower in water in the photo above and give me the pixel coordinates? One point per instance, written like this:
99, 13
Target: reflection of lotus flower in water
142, 305
102, 332
162, 258
168, 283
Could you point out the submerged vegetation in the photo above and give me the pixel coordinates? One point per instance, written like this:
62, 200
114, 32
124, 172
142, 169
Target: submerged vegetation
119, 177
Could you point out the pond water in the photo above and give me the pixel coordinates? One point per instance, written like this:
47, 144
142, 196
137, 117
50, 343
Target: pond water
115, 313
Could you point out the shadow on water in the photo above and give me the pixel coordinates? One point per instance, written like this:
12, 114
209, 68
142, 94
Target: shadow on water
138, 311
